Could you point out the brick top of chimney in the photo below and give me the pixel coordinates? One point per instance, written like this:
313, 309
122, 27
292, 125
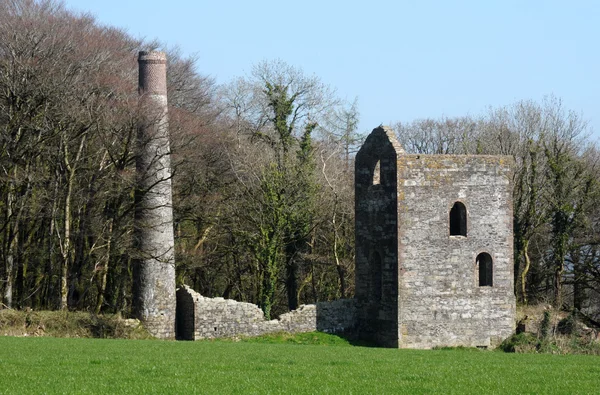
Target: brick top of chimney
153, 72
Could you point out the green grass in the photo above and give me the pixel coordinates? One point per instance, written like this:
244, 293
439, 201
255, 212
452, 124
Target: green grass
52, 365
311, 338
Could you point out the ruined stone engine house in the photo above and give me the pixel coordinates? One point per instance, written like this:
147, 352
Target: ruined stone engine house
434, 247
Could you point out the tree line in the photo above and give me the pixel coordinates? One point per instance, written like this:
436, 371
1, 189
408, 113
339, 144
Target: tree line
261, 171
262, 176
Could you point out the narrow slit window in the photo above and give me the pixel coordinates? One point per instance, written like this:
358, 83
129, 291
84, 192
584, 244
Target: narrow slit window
486, 269
377, 173
458, 220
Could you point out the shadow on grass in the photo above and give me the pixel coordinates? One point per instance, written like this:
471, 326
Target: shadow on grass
305, 338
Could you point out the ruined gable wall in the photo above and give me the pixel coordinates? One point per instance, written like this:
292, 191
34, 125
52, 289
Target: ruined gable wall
376, 238
221, 318
441, 302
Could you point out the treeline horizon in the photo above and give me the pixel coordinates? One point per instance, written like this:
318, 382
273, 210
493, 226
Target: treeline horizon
263, 183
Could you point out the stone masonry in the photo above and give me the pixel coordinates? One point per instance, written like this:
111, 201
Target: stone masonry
199, 317
154, 265
434, 247
433, 258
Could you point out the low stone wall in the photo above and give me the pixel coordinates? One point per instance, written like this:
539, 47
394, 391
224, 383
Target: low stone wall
338, 316
199, 317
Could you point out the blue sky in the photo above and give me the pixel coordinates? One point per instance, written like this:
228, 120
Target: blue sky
404, 60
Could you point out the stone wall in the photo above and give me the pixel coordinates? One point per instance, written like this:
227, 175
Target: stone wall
441, 301
417, 285
376, 227
199, 317
418, 280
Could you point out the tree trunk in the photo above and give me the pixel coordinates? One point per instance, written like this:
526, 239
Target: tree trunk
11, 235
65, 248
525, 271
49, 288
559, 267
578, 283
104, 269
558, 287
339, 267
66, 243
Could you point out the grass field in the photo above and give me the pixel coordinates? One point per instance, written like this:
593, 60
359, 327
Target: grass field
52, 365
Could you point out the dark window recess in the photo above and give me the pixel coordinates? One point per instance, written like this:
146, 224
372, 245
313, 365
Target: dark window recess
458, 220
486, 269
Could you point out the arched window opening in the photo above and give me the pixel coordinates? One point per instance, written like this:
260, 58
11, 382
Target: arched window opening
377, 174
376, 272
458, 220
485, 267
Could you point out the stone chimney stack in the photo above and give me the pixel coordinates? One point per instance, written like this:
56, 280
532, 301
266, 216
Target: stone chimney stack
154, 265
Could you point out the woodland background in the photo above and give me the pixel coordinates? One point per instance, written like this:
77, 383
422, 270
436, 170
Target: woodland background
262, 175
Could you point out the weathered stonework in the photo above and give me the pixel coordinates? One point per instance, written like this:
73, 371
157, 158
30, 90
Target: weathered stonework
418, 286
433, 247
199, 317
154, 265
